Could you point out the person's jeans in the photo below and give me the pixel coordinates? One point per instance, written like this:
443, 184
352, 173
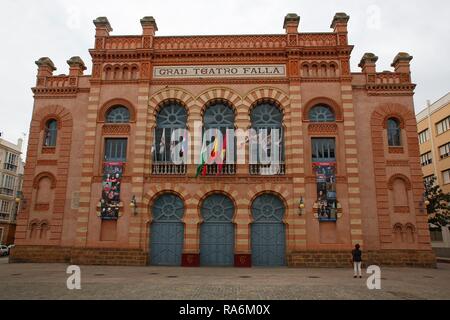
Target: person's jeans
357, 268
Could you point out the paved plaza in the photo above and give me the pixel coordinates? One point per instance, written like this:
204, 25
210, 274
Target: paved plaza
48, 281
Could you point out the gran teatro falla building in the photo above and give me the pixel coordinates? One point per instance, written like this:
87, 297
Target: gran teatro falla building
314, 158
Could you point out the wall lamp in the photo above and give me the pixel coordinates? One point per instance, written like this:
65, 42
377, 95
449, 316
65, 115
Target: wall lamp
301, 206
133, 204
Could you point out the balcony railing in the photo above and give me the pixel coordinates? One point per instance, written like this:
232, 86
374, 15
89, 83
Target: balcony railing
227, 169
268, 169
4, 216
10, 167
6, 191
168, 168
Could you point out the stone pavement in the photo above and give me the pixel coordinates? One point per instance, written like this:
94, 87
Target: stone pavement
48, 281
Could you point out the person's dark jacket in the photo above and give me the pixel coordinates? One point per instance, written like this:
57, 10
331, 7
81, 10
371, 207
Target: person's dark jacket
357, 255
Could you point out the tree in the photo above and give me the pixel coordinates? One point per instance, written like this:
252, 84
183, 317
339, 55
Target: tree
437, 203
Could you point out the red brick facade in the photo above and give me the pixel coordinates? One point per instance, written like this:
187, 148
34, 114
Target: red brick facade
379, 188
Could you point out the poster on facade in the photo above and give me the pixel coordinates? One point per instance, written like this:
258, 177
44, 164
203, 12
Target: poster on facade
110, 201
326, 190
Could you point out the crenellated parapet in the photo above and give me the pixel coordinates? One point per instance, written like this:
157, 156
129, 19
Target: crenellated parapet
49, 85
397, 82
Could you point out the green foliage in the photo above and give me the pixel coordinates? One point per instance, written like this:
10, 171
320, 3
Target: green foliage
438, 208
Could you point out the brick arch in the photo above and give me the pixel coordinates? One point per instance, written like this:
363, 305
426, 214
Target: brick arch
150, 198
276, 103
179, 94
34, 222
157, 189
167, 101
395, 110
205, 191
56, 112
409, 225
42, 175
282, 197
401, 177
49, 117
380, 150
395, 116
267, 92
220, 93
101, 116
335, 107
278, 190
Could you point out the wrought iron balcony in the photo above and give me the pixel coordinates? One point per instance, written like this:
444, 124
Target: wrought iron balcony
168, 168
227, 169
268, 169
6, 191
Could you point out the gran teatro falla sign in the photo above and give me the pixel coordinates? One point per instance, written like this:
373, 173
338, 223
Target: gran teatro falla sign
219, 71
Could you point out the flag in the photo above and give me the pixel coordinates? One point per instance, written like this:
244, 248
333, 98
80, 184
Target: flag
223, 155
202, 167
162, 144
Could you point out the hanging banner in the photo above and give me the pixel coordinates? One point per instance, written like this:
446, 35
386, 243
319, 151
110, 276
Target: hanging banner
110, 202
327, 204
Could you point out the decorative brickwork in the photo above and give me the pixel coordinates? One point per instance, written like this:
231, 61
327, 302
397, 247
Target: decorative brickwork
133, 71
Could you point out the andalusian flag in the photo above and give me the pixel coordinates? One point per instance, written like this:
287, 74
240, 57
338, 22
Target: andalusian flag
202, 166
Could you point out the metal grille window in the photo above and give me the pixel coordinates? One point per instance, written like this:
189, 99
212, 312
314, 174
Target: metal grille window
268, 208
443, 125
5, 210
321, 113
267, 143
424, 136
393, 131
446, 176
444, 151
7, 185
10, 162
217, 208
5, 206
51, 132
323, 149
118, 114
220, 116
169, 118
168, 208
425, 159
116, 149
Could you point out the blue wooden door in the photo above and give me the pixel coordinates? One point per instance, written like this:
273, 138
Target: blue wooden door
268, 231
217, 231
167, 231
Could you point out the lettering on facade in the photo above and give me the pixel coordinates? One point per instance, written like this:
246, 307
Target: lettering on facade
219, 71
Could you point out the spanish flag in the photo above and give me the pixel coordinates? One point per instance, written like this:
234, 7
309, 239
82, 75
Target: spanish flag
223, 155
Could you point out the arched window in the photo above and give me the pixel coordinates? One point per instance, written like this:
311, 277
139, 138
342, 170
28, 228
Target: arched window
219, 115
268, 208
168, 207
51, 132
171, 117
118, 114
217, 208
267, 145
321, 113
218, 122
393, 131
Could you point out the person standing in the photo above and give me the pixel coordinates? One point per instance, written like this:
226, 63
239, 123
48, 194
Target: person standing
357, 259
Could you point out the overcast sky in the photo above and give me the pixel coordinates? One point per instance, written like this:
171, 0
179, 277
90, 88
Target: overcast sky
62, 29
